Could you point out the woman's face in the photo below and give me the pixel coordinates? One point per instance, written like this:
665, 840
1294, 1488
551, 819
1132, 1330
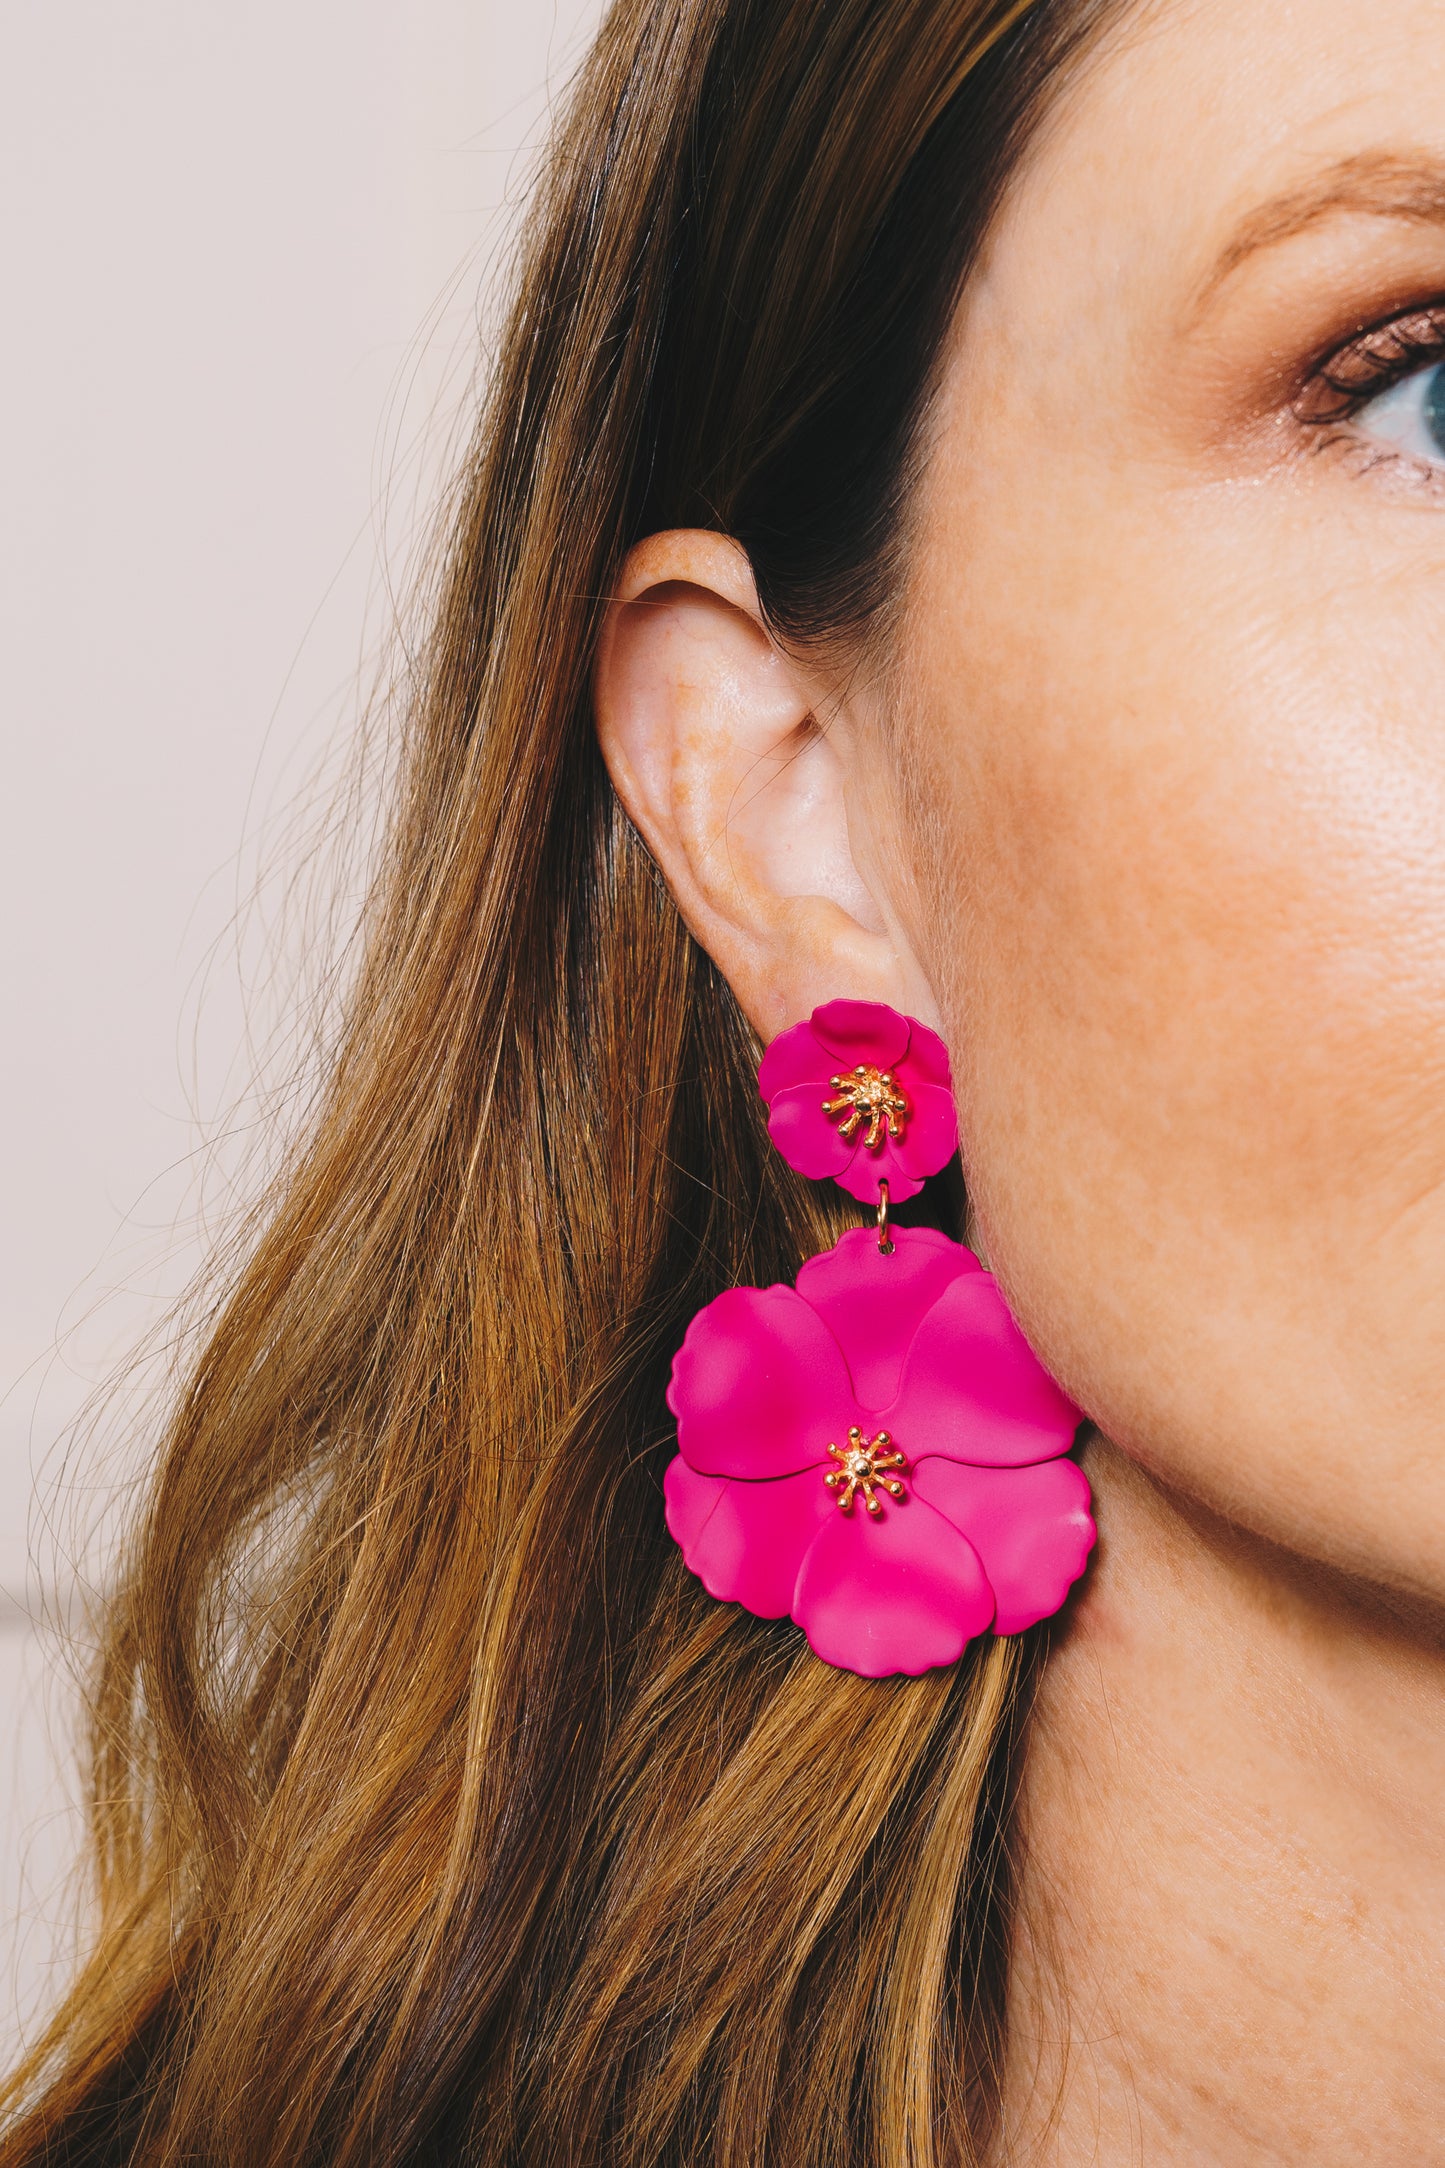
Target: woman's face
1174, 690
1169, 718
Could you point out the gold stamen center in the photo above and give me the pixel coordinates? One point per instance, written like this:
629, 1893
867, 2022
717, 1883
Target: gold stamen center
867, 1095
864, 1465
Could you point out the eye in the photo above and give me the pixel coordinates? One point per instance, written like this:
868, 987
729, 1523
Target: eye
1410, 415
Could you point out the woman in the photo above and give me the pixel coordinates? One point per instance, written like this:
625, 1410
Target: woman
960, 529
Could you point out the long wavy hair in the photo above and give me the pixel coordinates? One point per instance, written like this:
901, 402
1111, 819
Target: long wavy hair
437, 1814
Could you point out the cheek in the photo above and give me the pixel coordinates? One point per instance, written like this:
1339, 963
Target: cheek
1189, 856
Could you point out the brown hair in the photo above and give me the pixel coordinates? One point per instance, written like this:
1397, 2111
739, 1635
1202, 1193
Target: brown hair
438, 1815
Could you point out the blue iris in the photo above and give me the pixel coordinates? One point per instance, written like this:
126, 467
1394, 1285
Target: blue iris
1435, 404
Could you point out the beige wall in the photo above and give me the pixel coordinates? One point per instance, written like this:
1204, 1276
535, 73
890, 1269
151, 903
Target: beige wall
242, 255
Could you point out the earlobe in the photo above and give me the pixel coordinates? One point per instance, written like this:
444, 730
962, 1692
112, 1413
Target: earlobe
711, 735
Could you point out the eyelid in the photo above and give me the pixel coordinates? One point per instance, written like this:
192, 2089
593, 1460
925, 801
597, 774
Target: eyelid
1372, 362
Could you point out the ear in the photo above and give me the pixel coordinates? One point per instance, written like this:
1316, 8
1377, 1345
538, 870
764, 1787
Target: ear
750, 803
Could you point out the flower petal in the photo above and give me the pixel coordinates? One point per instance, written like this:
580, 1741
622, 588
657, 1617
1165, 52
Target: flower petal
926, 1061
746, 1541
795, 1057
972, 1388
902, 1593
930, 1134
865, 1170
689, 1500
1031, 1527
805, 1136
868, 1031
759, 1386
874, 1304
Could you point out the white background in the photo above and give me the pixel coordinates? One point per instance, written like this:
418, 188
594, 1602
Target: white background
244, 254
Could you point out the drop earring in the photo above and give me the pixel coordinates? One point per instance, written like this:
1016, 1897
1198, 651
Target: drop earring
891, 1377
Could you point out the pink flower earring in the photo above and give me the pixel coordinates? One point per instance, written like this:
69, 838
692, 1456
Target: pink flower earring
892, 1377
863, 1094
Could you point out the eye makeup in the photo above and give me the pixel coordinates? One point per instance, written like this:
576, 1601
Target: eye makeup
1380, 398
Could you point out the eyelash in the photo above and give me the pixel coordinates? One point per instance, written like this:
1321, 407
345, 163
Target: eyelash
1368, 366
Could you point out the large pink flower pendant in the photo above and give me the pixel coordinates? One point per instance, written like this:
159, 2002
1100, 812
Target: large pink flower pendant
877, 1454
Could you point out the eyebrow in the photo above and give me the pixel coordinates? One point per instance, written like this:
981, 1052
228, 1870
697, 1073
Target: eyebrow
1376, 183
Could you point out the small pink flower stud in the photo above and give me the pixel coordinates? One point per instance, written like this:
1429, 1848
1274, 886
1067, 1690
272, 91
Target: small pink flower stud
902, 1384
861, 1094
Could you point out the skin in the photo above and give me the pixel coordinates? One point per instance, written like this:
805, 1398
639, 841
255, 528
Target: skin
1146, 812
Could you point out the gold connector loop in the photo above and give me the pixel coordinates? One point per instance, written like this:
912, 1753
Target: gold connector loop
885, 1240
